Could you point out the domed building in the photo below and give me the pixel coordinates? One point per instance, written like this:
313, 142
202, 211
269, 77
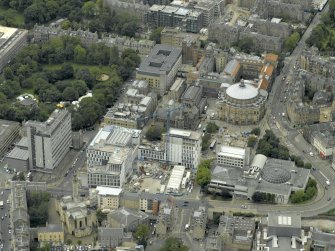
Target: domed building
242, 104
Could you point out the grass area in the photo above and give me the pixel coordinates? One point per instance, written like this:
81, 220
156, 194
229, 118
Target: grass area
18, 19
94, 69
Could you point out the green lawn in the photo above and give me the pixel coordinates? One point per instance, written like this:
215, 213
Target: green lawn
95, 69
18, 19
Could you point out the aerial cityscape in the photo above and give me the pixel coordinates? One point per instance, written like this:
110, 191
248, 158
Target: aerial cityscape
167, 125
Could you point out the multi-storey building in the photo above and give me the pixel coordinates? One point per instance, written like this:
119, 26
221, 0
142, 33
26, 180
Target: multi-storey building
110, 156
242, 104
233, 157
49, 141
160, 68
108, 197
12, 41
184, 149
198, 223
173, 16
52, 233
165, 220
9, 132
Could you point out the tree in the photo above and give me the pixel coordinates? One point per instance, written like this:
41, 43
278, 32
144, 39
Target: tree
70, 94
79, 242
205, 141
203, 176
256, 131
291, 41
68, 242
154, 133
101, 216
173, 244
257, 197
308, 165
21, 176
156, 35
252, 140
245, 44
38, 203
89, 9
142, 234
212, 127
79, 54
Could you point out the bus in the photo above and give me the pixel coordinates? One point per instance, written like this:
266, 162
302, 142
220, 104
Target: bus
212, 145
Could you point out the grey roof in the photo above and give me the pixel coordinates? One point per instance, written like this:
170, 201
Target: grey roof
27, 102
275, 175
230, 67
126, 217
192, 92
115, 233
23, 142
161, 59
18, 153
6, 128
322, 239
284, 224
47, 127
51, 228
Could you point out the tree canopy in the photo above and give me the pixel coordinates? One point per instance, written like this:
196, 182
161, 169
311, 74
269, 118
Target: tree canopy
204, 174
80, 14
173, 244
38, 203
142, 234
269, 146
301, 196
30, 71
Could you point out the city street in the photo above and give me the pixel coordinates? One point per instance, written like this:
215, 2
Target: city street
5, 220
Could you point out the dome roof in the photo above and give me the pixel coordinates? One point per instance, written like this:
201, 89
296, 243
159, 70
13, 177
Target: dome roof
275, 175
242, 91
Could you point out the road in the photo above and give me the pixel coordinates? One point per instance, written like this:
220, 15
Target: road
295, 142
5, 220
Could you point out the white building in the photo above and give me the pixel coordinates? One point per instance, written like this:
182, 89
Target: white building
110, 156
232, 156
49, 142
175, 180
184, 149
108, 197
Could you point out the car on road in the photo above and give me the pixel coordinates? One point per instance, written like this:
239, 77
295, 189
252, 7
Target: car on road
243, 206
329, 199
9, 231
7, 202
2, 217
5, 215
1, 192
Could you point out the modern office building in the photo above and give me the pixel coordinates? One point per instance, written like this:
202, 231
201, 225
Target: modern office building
160, 68
184, 149
9, 131
233, 156
110, 156
12, 40
174, 16
49, 141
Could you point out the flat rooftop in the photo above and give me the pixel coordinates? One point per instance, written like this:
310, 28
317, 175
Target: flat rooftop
6, 128
102, 190
231, 151
184, 134
161, 59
